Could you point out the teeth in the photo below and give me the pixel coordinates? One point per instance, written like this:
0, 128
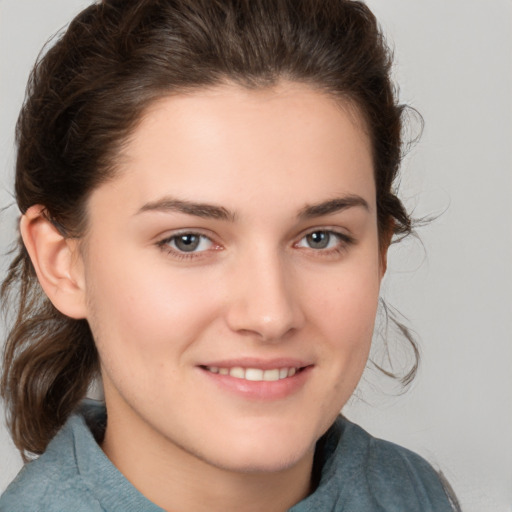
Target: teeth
254, 374
251, 374
237, 372
271, 375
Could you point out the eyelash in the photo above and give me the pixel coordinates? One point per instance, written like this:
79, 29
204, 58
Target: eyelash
184, 255
344, 241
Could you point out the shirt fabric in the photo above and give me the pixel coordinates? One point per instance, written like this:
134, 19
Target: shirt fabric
355, 473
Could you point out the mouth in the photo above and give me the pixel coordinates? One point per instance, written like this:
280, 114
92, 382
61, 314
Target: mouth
256, 374
257, 379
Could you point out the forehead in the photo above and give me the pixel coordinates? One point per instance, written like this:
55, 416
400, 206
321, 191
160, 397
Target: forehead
227, 143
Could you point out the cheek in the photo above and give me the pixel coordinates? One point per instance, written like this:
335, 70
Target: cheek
347, 307
344, 312
139, 310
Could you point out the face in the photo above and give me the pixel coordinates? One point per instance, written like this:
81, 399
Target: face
232, 274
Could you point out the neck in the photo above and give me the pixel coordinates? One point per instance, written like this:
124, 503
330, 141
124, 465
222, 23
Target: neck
177, 480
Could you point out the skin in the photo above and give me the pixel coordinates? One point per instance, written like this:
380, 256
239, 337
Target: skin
255, 287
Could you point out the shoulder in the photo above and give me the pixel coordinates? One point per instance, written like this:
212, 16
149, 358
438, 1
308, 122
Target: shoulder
52, 483
74, 474
361, 472
394, 470
396, 476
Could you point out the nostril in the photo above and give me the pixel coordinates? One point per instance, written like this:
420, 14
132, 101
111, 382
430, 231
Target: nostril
262, 300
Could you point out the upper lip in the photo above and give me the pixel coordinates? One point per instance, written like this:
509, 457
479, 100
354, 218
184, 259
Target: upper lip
262, 364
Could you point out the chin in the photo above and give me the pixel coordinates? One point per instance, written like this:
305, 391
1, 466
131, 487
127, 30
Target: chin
263, 461
264, 452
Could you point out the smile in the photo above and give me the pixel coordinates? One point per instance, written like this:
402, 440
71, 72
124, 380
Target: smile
259, 380
255, 374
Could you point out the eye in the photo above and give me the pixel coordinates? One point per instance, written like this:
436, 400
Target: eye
323, 239
187, 243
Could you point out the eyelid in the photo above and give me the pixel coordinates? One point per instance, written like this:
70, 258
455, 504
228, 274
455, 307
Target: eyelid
164, 243
340, 232
344, 238
172, 233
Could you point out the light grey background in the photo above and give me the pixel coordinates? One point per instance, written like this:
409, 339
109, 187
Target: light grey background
454, 64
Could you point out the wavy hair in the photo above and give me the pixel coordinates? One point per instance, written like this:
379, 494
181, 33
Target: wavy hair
84, 98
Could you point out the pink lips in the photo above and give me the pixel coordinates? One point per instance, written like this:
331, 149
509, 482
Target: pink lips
257, 379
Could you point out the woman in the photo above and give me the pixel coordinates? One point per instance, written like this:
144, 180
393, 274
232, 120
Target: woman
207, 202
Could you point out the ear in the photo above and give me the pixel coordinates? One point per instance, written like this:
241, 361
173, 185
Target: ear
57, 262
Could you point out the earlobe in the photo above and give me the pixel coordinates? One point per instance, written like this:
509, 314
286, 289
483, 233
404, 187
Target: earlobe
57, 262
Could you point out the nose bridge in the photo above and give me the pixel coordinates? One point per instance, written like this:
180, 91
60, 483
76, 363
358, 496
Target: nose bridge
263, 302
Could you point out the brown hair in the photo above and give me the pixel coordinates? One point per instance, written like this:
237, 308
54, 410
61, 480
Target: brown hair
84, 98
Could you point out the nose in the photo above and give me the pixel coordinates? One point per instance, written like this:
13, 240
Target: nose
264, 302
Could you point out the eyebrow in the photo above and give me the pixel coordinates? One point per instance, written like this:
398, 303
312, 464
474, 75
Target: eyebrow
335, 205
210, 211
207, 211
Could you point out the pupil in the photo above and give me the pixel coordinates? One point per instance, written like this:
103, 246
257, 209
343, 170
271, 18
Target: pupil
318, 240
187, 243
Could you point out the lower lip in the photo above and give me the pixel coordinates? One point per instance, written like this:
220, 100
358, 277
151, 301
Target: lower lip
261, 390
